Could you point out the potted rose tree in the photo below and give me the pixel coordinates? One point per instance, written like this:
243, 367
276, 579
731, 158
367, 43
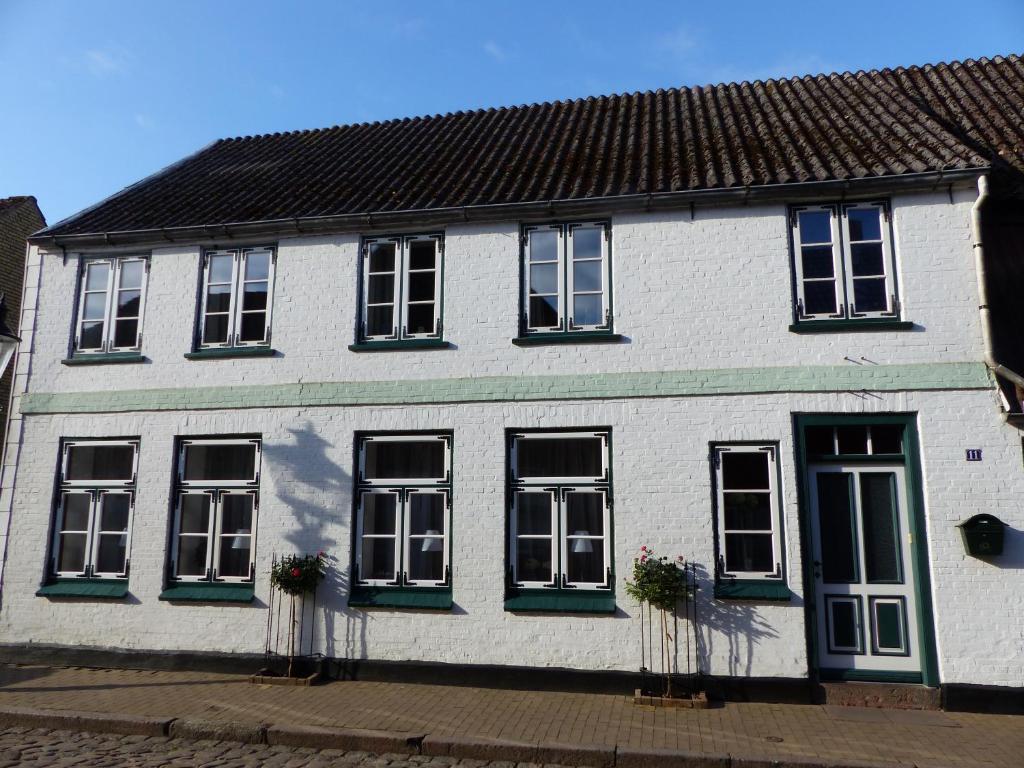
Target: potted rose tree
296, 576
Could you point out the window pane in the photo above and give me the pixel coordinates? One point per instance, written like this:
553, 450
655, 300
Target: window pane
421, 286
234, 556
379, 518
420, 318
76, 511
543, 278
869, 295
533, 560
111, 553
95, 306
817, 261
586, 276
381, 289
413, 458
236, 513
748, 511
126, 333
91, 336
586, 243
226, 461
192, 555
587, 310
215, 329
382, 257
852, 439
866, 259
378, 560
543, 311
745, 470
819, 298
254, 296
114, 509
749, 552
426, 560
887, 438
379, 321
560, 457
586, 561
815, 227
838, 536
96, 277
128, 303
131, 274
257, 265
544, 245
865, 224
881, 528
195, 513
426, 513
218, 298
100, 462
72, 552
820, 441
533, 514
584, 513
421, 254
254, 326
220, 269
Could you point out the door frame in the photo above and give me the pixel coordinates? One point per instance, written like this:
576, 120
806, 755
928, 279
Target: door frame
918, 549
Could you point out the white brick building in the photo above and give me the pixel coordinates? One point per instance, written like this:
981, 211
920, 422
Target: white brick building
779, 379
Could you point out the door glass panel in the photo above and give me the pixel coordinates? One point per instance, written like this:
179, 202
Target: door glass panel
889, 630
836, 523
845, 625
881, 527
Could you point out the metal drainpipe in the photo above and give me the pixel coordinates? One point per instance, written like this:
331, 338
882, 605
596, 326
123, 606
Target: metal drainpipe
983, 308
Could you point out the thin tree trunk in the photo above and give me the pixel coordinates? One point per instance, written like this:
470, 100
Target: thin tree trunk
291, 635
667, 661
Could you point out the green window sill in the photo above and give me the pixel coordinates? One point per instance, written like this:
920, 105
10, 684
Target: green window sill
840, 326
207, 592
560, 601
752, 590
219, 353
568, 337
427, 598
100, 589
104, 358
399, 344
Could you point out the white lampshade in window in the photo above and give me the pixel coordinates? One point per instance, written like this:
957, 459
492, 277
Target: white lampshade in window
240, 542
432, 545
582, 545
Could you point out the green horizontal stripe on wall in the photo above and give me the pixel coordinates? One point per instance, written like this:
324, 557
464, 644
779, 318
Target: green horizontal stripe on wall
603, 386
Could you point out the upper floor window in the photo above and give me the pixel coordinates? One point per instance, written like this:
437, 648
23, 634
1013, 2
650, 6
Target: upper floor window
566, 278
217, 501
401, 288
560, 513
95, 500
110, 304
843, 262
238, 287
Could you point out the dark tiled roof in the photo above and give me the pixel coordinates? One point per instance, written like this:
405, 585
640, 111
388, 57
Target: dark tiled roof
10, 203
815, 128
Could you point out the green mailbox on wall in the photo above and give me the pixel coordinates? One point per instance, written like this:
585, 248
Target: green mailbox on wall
983, 535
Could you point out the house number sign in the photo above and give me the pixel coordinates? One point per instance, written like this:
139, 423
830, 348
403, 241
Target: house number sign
974, 454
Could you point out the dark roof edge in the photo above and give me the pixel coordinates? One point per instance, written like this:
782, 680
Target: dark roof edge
359, 222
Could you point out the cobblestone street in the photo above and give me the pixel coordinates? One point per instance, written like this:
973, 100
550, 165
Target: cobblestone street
40, 747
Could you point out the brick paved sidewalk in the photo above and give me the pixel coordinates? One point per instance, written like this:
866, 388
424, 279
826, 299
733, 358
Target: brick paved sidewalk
829, 735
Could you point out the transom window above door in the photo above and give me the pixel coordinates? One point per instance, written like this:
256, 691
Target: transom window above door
843, 262
112, 296
237, 298
566, 279
401, 286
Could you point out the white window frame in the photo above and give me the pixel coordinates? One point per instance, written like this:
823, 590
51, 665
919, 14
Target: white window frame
776, 532
236, 303
114, 265
842, 262
399, 300
559, 488
97, 490
216, 489
404, 489
565, 286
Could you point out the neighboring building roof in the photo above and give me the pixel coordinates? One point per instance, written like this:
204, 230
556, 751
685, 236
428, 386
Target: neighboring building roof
10, 203
846, 126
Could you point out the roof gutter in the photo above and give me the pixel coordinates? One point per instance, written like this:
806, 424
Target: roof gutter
983, 306
661, 201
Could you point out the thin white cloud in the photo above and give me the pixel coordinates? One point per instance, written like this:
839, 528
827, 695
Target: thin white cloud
495, 51
678, 43
143, 121
277, 92
102, 62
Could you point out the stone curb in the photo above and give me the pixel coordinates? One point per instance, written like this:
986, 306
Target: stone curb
401, 742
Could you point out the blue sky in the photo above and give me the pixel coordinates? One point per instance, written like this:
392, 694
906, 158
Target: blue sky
98, 94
